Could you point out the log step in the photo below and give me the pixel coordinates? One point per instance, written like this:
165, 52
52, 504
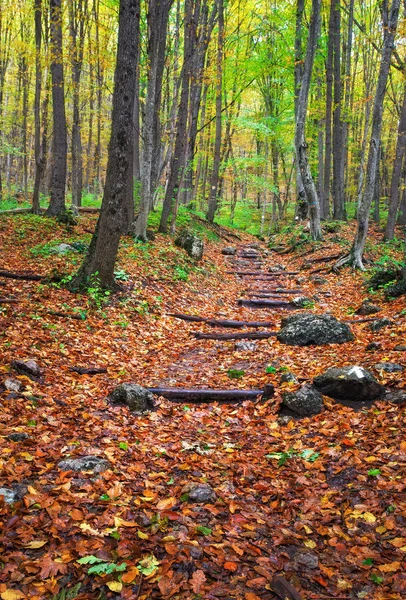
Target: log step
247, 335
209, 395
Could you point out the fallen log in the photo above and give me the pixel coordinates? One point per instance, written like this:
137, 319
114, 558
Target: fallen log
321, 259
208, 395
23, 276
278, 291
274, 294
263, 273
283, 589
365, 320
191, 318
88, 371
238, 324
265, 304
8, 301
56, 313
248, 335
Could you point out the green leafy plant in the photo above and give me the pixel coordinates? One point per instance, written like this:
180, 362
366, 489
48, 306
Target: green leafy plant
203, 530
180, 273
270, 369
148, 565
67, 594
374, 472
309, 455
98, 296
235, 373
121, 275
100, 566
123, 446
376, 578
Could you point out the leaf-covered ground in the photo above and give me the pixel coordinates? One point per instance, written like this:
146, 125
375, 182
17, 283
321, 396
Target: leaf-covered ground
321, 501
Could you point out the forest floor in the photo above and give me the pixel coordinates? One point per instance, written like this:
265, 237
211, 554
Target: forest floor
320, 501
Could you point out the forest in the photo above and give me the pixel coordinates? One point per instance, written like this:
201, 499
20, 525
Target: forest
202, 299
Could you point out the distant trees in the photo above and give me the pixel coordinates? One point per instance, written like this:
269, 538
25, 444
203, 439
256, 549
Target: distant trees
226, 112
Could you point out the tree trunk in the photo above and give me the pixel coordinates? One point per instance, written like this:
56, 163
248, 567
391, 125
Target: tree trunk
397, 173
329, 109
59, 148
389, 23
300, 142
158, 14
338, 155
101, 257
38, 151
213, 197
177, 160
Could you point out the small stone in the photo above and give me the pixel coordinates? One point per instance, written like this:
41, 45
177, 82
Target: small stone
349, 383
373, 346
202, 492
137, 398
396, 396
27, 367
245, 346
288, 377
400, 348
379, 324
307, 559
62, 249
367, 308
18, 436
388, 367
229, 251
85, 463
193, 245
302, 301
305, 402
13, 385
317, 280
9, 496
300, 280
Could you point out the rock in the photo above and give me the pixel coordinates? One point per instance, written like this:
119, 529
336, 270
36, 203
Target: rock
349, 383
302, 301
395, 396
193, 245
288, 377
18, 436
367, 308
229, 251
400, 348
380, 324
85, 463
13, 494
137, 398
304, 402
300, 280
317, 280
276, 268
202, 492
62, 249
373, 346
307, 329
27, 367
245, 346
302, 558
80, 246
151, 235
396, 290
388, 367
13, 385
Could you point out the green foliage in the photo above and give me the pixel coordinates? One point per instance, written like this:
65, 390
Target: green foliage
68, 594
148, 565
308, 455
270, 369
376, 578
181, 273
203, 530
374, 472
235, 373
100, 566
121, 275
98, 296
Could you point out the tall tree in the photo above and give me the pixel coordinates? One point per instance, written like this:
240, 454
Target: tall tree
59, 145
117, 199
214, 181
300, 141
157, 19
397, 172
389, 23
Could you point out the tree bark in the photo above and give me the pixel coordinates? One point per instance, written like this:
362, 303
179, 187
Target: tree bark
397, 173
39, 156
389, 23
300, 142
338, 154
101, 257
59, 148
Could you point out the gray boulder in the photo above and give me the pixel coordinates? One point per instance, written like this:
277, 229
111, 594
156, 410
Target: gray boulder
18, 436
229, 251
400, 348
13, 385
202, 492
367, 308
305, 402
388, 367
308, 329
302, 301
379, 324
318, 280
84, 463
349, 383
396, 396
288, 377
137, 398
10, 496
245, 346
193, 245
27, 367
62, 249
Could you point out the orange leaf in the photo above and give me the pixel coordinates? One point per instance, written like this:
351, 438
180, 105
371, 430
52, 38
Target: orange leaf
166, 503
197, 580
77, 515
130, 575
230, 566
